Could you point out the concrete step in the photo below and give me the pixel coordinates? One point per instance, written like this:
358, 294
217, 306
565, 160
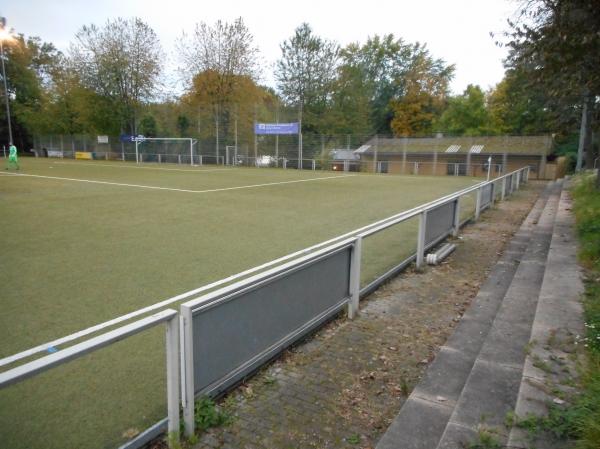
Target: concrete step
549, 364
424, 416
492, 386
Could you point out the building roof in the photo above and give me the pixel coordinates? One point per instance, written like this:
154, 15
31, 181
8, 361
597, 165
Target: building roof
344, 155
523, 145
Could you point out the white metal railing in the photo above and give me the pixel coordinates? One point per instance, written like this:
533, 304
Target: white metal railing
225, 294
401, 216
168, 316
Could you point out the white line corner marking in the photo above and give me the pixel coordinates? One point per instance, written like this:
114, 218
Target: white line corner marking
139, 186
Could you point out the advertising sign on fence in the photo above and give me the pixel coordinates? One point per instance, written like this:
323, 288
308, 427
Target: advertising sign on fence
276, 128
129, 138
55, 153
102, 139
83, 155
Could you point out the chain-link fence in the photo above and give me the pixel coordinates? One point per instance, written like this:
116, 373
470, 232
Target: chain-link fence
348, 153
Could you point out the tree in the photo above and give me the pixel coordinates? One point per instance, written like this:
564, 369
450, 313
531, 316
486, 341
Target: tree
424, 97
350, 109
305, 74
399, 78
224, 48
516, 107
220, 62
121, 62
466, 114
147, 126
202, 101
557, 42
183, 124
29, 62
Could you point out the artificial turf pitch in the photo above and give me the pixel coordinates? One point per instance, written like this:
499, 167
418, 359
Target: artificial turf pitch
84, 242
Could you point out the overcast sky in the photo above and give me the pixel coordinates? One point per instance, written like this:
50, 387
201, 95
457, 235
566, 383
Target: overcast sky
454, 30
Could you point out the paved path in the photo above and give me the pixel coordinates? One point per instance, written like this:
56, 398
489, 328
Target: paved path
344, 387
513, 351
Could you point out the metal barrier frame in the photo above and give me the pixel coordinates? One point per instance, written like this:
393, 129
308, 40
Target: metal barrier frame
168, 316
212, 299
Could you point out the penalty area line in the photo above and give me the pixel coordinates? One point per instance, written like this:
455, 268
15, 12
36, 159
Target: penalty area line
191, 170
140, 186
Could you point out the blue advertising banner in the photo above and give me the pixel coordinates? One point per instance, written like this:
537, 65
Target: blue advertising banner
276, 128
128, 138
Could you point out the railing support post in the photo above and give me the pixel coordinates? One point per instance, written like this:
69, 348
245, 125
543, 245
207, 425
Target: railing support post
478, 204
173, 378
187, 386
503, 194
355, 278
518, 181
421, 239
493, 194
456, 228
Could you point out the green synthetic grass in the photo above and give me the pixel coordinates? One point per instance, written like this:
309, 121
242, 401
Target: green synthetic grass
76, 254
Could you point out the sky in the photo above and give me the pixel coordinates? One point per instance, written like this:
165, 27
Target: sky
457, 31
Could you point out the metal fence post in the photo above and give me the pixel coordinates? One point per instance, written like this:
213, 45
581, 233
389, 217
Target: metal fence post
421, 239
456, 227
173, 377
188, 363
179, 159
159, 161
355, 278
478, 203
314, 165
503, 189
493, 194
518, 181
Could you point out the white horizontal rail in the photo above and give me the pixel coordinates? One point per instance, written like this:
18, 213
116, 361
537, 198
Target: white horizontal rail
58, 358
362, 231
198, 303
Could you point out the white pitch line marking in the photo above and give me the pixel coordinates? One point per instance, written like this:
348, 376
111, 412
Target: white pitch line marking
92, 164
172, 188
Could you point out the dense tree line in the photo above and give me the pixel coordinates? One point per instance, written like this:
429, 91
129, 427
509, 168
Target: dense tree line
111, 81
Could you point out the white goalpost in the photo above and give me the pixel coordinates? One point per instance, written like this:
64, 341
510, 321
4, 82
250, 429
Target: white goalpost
141, 139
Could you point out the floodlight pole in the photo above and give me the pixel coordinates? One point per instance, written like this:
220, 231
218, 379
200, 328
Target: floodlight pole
236, 141
300, 136
10, 137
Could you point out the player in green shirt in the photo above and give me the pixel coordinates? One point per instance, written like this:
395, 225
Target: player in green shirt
12, 157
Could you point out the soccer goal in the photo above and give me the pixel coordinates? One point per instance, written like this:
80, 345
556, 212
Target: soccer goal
174, 150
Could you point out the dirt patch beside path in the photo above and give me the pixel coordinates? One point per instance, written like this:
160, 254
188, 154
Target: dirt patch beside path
344, 386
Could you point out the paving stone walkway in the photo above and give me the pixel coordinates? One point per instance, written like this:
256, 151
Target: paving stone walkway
343, 388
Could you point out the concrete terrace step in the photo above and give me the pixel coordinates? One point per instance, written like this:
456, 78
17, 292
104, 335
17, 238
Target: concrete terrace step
492, 386
423, 418
558, 319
